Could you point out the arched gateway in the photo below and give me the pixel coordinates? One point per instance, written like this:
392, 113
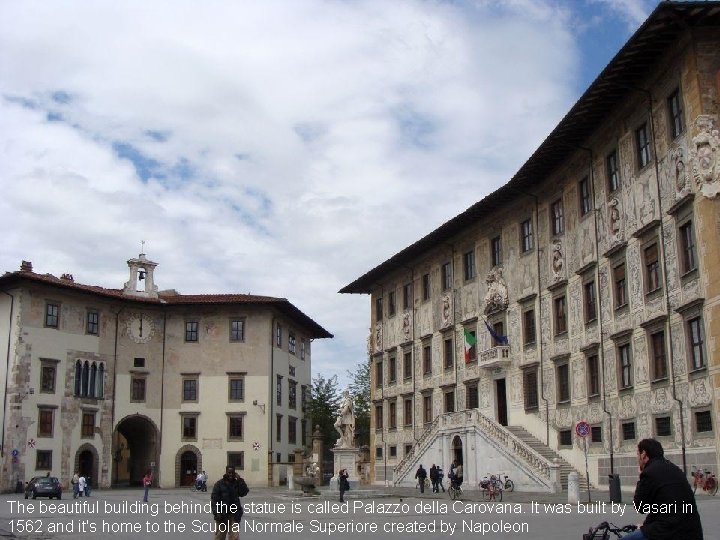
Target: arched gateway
135, 450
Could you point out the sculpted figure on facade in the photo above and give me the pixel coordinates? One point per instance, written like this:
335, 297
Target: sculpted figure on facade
614, 221
378, 336
407, 326
345, 422
446, 311
704, 157
496, 298
678, 172
558, 261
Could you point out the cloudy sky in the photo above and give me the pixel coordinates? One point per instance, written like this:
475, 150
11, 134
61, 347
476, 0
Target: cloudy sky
280, 148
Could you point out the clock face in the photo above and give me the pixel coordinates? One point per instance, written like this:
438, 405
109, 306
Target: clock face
140, 328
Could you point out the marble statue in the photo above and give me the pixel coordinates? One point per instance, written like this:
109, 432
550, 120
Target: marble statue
345, 423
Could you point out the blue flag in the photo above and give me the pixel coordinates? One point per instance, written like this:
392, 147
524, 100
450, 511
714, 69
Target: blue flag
501, 340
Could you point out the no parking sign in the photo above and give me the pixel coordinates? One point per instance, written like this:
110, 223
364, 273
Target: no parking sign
582, 428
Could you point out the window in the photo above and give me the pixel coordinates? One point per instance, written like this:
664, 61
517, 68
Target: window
557, 221
291, 371
590, 301
292, 394
663, 427
499, 329
472, 400
291, 342
530, 389
47, 377
189, 427
391, 303
379, 308
496, 251
190, 389
696, 343
139, 362
675, 113
278, 390
236, 388
426, 286
427, 409
43, 459
613, 171
87, 428
596, 434
593, 377
560, 315
393, 451
625, 366
449, 398
526, 236
407, 296
191, 331
302, 348
620, 285
45, 422
628, 431
446, 276
237, 460
237, 330
565, 437
378, 416
292, 430
408, 449
652, 268
392, 417
52, 314
303, 397
703, 422
92, 323
659, 362
278, 427
529, 327
469, 265
235, 426
407, 364
448, 360
688, 256
562, 372
378, 452
392, 369
585, 200
278, 335
427, 359
408, 412
642, 143
378, 374
137, 389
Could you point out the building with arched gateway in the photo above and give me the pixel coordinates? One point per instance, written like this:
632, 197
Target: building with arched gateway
113, 382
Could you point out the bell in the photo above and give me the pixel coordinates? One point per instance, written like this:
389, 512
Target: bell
141, 275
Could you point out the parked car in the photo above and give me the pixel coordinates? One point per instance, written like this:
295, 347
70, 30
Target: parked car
43, 486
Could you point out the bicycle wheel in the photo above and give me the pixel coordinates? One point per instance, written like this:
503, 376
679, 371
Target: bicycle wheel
498, 495
509, 485
713, 487
695, 484
487, 495
452, 492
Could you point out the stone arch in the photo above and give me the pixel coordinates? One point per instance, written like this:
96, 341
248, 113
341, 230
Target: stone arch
178, 462
136, 449
457, 450
87, 463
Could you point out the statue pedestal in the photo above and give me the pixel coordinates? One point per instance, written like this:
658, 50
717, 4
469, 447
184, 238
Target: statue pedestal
345, 458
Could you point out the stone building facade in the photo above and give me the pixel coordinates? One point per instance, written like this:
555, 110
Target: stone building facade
597, 262
112, 382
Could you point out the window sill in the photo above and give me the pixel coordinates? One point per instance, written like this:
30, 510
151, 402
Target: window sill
189, 439
591, 322
563, 403
704, 434
594, 397
534, 408
662, 381
561, 335
528, 252
531, 346
626, 389
698, 373
690, 275
622, 308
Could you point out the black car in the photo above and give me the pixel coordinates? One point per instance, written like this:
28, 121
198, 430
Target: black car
43, 486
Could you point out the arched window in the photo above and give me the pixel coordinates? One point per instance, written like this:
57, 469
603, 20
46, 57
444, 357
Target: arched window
85, 379
78, 377
100, 390
91, 386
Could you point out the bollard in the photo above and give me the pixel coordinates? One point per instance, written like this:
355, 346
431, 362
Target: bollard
291, 479
615, 492
573, 488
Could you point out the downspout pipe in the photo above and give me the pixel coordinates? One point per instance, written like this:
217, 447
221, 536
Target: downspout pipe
162, 386
7, 371
114, 389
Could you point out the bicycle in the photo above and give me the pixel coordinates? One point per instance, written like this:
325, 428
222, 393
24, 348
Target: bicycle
197, 486
454, 491
505, 483
491, 489
706, 480
603, 531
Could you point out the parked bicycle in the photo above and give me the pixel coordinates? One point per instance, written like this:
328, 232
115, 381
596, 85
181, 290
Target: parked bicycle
503, 481
705, 480
454, 491
491, 488
605, 529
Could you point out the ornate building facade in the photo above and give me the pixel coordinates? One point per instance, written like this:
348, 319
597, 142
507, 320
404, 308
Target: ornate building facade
585, 289
112, 382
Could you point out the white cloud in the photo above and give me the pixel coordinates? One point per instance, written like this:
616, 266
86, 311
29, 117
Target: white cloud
317, 138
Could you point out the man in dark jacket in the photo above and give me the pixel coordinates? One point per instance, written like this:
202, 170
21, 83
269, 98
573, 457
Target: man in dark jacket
421, 475
434, 478
226, 505
664, 494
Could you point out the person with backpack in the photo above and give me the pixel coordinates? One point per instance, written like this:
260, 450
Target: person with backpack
226, 506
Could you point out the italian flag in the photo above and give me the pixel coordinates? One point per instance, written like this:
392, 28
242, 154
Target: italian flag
470, 341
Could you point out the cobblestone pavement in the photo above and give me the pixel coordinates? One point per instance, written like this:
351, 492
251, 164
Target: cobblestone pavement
276, 513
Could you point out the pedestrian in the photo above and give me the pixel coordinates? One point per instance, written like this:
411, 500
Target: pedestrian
459, 475
147, 482
226, 506
434, 478
343, 483
662, 483
88, 486
82, 482
441, 476
75, 482
421, 475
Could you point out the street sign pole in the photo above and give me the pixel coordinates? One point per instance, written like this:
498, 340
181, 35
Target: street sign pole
582, 429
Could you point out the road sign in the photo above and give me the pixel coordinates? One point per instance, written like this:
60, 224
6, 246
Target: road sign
15, 452
582, 429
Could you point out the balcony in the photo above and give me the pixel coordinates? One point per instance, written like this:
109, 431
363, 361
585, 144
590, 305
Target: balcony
494, 357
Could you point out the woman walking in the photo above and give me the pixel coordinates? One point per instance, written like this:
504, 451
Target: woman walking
147, 482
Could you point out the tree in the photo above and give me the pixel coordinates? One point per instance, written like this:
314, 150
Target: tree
360, 391
323, 407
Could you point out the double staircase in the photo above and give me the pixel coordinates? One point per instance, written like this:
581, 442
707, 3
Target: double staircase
548, 453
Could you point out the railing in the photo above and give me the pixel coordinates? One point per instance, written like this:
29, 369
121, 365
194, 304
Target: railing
422, 443
494, 355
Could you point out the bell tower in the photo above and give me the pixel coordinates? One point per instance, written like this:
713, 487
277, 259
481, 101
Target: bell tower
141, 269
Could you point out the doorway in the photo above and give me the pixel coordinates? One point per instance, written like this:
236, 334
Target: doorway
134, 450
457, 450
501, 395
188, 468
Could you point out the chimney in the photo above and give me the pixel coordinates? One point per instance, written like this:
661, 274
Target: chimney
67, 277
26, 266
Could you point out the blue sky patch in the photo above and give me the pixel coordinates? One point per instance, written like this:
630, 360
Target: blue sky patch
156, 135
415, 128
145, 167
61, 97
